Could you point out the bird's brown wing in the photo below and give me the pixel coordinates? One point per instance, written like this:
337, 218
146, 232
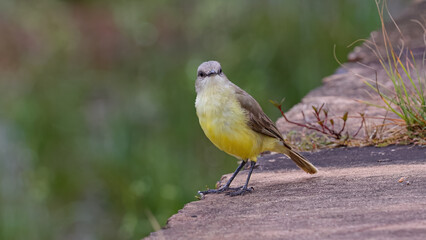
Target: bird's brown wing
257, 119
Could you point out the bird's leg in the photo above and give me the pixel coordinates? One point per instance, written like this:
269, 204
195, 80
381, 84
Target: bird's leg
226, 187
244, 189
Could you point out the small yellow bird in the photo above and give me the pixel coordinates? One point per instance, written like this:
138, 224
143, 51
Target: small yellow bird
236, 124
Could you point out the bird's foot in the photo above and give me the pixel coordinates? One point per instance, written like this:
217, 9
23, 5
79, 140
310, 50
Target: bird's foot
220, 190
241, 191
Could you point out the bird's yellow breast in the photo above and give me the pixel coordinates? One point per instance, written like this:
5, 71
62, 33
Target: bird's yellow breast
225, 123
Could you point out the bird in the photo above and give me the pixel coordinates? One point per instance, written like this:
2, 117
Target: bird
236, 124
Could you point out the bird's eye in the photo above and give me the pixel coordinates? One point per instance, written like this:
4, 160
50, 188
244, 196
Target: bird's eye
220, 70
201, 74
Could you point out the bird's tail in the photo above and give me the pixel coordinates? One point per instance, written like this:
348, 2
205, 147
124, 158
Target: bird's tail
300, 161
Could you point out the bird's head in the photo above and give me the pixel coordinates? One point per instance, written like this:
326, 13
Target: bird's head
210, 68
209, 72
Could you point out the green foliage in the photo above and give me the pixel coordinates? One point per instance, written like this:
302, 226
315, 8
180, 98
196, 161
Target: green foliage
408, 102
98, 133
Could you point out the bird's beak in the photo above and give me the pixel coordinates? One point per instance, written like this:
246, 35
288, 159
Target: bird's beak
212, 72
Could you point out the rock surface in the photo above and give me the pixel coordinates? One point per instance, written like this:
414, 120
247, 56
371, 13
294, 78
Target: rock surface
359, 193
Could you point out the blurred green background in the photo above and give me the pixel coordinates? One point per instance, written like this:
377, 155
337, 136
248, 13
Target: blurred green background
98, 133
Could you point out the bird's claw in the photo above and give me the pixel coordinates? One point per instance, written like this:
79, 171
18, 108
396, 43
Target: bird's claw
241, 191
220, 190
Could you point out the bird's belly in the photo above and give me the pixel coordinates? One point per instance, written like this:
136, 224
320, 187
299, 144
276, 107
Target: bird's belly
238, 142
226, 126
